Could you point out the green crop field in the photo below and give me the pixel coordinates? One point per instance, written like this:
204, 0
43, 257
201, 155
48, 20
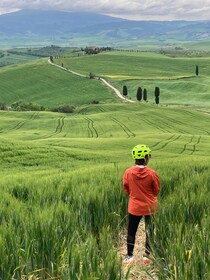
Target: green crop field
40, 82
62, 206
175, 77
8, 58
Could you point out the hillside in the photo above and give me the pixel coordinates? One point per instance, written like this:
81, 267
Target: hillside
39, 82
62, 202
61, 195
175, 76
38, 27
50, 86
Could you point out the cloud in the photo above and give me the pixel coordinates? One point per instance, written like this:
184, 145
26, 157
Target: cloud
132, 9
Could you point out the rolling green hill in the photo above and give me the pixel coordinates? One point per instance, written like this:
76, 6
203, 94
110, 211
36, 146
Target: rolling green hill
165, 129
61, 197
49, 86
175, 76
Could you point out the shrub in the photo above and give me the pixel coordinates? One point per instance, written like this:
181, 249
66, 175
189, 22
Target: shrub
3, 106
95, 102
21, 106
66, 108
91, 75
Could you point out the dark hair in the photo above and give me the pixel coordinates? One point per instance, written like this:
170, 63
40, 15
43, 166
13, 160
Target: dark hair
141, 161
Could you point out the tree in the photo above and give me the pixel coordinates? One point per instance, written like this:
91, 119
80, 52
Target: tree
139, 94
196, 70
145, 94
51, 58
125, 91
91, 75
157, 94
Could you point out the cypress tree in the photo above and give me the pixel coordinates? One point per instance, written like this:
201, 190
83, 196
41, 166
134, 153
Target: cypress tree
125, 91
139, 94
157, 94
196, 70
145, 94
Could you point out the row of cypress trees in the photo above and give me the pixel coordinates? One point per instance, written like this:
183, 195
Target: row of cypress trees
142, 95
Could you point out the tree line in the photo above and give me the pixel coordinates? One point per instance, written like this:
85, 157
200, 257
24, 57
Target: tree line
142, 94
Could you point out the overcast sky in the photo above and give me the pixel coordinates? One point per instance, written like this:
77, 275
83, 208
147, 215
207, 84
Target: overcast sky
131, 9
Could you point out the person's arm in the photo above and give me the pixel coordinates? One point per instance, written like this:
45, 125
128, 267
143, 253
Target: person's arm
156, 184
125, 184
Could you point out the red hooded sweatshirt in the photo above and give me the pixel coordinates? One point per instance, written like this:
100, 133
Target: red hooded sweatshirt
142, 184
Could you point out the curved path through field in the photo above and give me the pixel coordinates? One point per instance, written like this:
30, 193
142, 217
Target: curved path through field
116, 91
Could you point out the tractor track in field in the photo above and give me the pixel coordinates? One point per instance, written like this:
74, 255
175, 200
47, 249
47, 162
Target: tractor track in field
191, 114
127, 131
58, 129
83, 111
102, 109
166, 142
191, 143
21, 123
34, 116
91, 129
60, 125
173, 121
156, 125
167, 128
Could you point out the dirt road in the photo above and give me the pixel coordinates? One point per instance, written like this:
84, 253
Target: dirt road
102, 80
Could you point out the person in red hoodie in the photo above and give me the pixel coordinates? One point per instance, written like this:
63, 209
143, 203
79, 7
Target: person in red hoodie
142, 185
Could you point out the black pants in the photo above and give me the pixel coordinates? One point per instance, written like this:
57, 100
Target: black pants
133, 222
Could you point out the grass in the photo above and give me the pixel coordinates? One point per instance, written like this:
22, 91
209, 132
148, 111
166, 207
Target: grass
174, 76
62, 204
145, 65
59, 182
13, 58
49, 86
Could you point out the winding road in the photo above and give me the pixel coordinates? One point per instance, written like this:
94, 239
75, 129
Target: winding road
116, 91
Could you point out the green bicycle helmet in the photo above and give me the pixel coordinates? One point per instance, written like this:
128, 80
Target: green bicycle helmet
140, 151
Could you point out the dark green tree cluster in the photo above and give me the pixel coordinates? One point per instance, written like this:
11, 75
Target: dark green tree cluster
27, 106
141, 94
95, 50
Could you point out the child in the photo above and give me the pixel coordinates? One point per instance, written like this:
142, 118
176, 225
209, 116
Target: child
142, 185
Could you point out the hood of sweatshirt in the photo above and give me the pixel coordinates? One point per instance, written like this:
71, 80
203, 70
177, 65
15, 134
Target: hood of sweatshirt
140, 172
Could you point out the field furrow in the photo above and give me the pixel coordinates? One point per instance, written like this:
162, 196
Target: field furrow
127, 131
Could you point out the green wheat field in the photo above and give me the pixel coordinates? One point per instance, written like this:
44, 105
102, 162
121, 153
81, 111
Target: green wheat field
62, 205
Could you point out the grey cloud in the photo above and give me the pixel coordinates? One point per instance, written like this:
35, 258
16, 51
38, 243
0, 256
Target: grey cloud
151, 9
